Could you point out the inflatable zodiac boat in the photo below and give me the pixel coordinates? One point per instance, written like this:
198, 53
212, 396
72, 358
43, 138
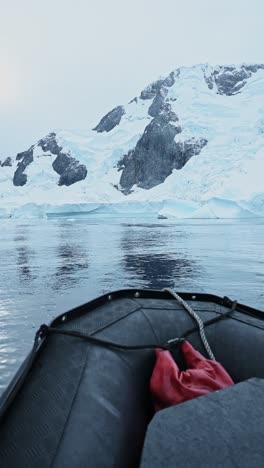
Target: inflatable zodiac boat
82, 396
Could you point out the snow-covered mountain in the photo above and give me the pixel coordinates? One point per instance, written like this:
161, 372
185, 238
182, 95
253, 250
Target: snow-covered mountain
191, 144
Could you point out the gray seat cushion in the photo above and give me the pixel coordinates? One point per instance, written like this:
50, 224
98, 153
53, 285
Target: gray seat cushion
222, 429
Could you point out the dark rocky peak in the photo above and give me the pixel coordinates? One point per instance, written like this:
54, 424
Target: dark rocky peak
229, 79
7, 162
160, 127
170, 79
151, 161
61, 163
49, 143
151, 90
110, 120
154, 88
25, 158
75, 173
160, 105
133, 100
187, 149
25, 155
159, 90
156, 155
254, 68
69, 169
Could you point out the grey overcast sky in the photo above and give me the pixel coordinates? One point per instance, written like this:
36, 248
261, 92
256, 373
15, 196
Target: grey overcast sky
65, 63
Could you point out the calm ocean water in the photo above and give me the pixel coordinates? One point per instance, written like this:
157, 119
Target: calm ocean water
50, 266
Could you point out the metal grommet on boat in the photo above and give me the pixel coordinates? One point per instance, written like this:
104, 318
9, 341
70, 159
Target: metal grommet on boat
109, 297
137, 294
193, 298
63, 318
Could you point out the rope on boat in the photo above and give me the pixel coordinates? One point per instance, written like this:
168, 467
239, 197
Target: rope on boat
45, 330
197, 318
214, 319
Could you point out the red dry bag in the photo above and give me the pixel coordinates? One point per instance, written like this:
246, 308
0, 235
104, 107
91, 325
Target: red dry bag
170, 386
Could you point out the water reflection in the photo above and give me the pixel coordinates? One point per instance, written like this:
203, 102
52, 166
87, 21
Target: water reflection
24, 258
145, 263
25, 255
158, 271
41, 262
71, 257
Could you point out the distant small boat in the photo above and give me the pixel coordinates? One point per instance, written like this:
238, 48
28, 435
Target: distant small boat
160, 216
79, 402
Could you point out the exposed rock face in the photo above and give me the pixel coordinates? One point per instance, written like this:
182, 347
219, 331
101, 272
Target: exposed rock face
61, 163
25, 158
110, 120
156, 154
187, 149
133, 100
69, 169
159, 90
75, 172
159, 105
7, 162
229, 80
255, 67
209, 80
170, 79
49, 143
153, 89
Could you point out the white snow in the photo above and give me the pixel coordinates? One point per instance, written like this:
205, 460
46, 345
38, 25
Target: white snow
224, 180
221, 208
178, 208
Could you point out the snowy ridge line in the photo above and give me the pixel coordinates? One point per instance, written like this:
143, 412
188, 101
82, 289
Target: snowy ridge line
196, 135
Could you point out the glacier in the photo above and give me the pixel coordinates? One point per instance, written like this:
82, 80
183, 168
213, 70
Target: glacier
220, 106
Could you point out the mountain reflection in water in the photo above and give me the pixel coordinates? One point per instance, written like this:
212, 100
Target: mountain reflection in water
48, 267
158, 271
150, 259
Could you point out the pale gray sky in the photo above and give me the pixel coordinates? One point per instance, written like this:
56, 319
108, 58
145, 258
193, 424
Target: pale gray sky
65, 63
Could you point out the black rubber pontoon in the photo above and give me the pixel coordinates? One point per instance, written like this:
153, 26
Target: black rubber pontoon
78, 404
